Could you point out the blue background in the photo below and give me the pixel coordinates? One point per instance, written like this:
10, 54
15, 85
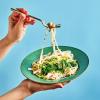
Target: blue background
80, 20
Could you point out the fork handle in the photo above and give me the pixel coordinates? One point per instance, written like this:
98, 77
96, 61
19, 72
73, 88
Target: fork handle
12, 9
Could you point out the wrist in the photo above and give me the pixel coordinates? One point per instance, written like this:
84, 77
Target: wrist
23, 91
27, 85
9, 40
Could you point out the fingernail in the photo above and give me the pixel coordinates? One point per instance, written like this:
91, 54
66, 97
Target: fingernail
61, 86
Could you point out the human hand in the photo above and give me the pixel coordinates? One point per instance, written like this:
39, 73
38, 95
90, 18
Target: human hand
18, 23
32, 87
27, 88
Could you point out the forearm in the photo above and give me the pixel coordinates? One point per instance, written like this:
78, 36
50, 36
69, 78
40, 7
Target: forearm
5, 46
19, 93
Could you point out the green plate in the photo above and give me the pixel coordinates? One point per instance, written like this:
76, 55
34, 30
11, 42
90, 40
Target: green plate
79, 55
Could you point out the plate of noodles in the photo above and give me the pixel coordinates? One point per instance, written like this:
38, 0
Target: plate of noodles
55, 63
54, 67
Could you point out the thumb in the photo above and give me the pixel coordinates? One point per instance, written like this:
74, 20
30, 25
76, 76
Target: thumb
53, 86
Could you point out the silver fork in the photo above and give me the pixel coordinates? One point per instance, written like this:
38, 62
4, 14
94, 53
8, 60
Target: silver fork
42, 21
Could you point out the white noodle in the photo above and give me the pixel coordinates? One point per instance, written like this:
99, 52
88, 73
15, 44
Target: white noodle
53, 43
